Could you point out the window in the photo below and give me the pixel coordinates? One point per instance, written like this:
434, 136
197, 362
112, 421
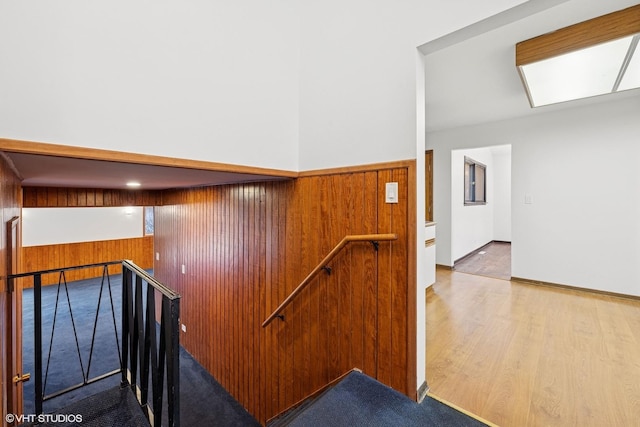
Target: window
475, 173
148, 220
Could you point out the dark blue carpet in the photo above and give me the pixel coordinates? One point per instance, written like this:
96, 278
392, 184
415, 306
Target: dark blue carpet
65, 366
359, 400
203, 401
113, 407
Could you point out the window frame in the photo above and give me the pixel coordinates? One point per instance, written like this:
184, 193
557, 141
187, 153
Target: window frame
144, 220
470, 182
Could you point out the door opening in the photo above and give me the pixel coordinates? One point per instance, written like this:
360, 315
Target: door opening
14, 359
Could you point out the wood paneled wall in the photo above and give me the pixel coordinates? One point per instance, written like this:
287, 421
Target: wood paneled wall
46, 257
52, 197
246, 247
10, 200
37, 258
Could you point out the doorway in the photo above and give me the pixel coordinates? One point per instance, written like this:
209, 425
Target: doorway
14, 354
481, 227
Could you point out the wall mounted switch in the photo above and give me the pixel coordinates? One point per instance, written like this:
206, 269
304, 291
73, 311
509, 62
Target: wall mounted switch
391, 193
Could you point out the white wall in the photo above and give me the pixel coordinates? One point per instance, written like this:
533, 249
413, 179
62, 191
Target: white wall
201, 79
502, 193
358, 75
362, 91
580, 168
471, 225
273, 84
50, 226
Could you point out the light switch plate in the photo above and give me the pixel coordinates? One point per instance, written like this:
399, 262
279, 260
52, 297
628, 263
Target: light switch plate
391, 193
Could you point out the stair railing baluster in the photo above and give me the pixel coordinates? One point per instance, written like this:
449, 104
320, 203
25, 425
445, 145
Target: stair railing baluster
139, 350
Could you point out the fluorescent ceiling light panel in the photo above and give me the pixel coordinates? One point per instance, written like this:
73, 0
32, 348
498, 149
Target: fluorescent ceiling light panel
575, 75
631, 79
591, 58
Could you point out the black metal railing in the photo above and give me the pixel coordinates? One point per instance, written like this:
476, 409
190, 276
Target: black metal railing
41, 375
146, 349
139, 350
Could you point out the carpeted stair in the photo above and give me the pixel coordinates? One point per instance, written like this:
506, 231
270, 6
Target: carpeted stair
203, 401
359, 400
114, 407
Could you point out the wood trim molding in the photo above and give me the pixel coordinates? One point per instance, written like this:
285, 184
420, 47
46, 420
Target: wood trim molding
573, 288
359, 168
584, 34
11, 165
59, 150
473, 252
459, 409
29, 147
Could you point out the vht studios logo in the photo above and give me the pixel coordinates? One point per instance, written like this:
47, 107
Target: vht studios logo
43, 418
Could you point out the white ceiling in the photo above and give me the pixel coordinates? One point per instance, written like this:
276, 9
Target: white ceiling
475, 80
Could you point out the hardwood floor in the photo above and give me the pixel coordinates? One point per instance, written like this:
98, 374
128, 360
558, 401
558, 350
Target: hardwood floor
525, 355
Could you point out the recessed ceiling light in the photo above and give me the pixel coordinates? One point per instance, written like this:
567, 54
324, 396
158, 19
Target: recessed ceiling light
133, 184
594, 57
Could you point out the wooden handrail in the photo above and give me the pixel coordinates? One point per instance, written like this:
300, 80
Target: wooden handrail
373, 238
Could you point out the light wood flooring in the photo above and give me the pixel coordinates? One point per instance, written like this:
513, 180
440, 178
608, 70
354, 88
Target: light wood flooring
526, 355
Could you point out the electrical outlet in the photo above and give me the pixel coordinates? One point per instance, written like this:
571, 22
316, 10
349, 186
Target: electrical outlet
184, 269
184, 328
157, 256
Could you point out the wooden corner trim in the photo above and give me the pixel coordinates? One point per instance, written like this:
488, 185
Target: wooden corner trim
59, 150
30, 147
584, 34
573, 288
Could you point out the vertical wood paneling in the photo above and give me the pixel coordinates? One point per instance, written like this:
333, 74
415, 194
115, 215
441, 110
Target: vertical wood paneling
46, 257
51, 197
399, 279
370, 278
247, 246
385, 271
